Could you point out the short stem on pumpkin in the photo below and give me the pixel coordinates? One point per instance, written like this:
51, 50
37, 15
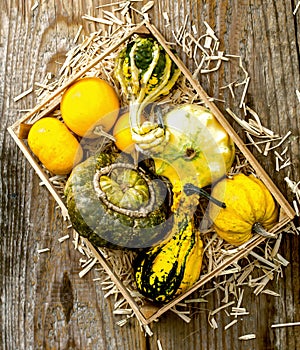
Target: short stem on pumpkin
258, 228
190, 189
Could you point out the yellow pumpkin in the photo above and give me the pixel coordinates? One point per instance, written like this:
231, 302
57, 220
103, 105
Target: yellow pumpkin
54, 145
89, 103
250, 208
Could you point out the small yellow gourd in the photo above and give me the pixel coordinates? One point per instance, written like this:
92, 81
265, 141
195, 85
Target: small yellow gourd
54, 145
250, 208
89, 103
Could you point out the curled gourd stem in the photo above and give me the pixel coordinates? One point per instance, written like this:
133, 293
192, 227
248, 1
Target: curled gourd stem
141, 212
258, 228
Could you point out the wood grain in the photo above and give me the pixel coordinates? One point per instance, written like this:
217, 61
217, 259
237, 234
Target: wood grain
44, 303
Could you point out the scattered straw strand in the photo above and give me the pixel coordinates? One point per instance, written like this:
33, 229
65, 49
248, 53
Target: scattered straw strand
23, 94
247, 337
291, 324
296, 8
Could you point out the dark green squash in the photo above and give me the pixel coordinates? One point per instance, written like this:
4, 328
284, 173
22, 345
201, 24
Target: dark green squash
172, 267
117, 205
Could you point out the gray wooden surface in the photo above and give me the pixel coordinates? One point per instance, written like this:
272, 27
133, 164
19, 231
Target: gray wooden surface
44, 303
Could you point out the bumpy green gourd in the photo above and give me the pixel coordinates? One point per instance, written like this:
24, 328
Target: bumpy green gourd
172, 267
115, 204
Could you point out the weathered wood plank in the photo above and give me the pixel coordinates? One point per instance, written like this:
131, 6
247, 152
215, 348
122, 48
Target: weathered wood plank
44, 303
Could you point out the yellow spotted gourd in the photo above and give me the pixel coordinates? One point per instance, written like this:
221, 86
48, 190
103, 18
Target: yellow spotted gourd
250, 208
174, 266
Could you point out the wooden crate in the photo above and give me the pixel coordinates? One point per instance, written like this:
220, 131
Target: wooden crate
18, 132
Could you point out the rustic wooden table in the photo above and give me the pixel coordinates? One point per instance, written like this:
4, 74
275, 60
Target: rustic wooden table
44, 302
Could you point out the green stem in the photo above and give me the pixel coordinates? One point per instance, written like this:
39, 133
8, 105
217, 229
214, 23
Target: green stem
190, 189
258, 228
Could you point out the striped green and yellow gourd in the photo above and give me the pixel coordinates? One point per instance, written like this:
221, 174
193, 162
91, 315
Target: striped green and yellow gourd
172, 267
